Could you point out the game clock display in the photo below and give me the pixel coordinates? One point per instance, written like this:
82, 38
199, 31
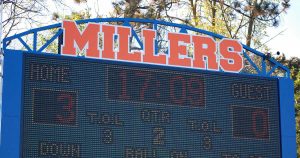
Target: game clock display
86, 108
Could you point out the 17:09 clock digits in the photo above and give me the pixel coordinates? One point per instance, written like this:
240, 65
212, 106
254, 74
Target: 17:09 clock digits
138, 85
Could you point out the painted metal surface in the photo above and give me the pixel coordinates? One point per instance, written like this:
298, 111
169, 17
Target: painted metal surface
287, 115
12, 103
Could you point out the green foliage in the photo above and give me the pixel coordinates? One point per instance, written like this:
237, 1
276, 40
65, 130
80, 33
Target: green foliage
74, 16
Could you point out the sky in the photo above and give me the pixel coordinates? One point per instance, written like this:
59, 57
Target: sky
289, 40
284, 38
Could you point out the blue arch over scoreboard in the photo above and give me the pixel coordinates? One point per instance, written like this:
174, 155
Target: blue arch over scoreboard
59, 106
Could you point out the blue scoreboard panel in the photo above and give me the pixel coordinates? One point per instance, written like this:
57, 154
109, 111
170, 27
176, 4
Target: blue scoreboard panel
71, 107
85, 108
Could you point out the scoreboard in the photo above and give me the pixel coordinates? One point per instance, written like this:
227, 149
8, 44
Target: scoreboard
62, 107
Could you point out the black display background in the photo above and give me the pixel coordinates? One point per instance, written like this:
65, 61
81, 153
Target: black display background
91, 83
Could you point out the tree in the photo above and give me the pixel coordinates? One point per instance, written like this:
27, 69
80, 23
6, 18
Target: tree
253, 15
25, 12
243, 19
142, 8
266, 12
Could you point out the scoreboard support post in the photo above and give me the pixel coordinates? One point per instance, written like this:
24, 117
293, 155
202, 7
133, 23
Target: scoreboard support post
11, 106
287, 116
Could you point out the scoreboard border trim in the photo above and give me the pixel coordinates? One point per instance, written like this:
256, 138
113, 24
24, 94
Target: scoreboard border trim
12, 106
287, 118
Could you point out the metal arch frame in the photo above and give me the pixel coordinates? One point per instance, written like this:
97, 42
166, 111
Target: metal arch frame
126, 22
